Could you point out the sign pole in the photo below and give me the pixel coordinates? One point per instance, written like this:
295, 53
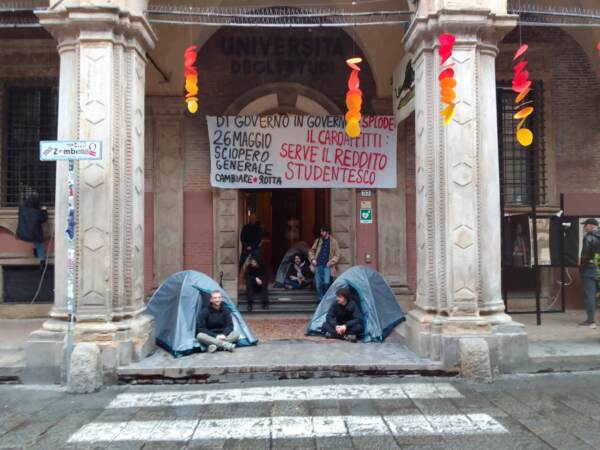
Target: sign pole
72, 151
70, 237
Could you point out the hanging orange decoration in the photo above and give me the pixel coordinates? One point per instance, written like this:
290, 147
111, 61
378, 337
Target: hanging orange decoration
191, 78
446, 77
521, 84
353, 99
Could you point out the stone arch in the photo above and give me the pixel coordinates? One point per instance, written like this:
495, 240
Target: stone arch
269, 99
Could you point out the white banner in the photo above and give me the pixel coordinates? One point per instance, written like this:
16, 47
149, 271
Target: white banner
283, 151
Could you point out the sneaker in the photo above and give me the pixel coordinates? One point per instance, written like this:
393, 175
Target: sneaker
586, 323
212, 348
228, 346
328, 335
351, 338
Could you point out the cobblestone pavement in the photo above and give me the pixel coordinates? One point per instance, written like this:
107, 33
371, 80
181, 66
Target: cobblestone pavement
522, 412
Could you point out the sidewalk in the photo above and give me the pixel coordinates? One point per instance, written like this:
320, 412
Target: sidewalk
557, 345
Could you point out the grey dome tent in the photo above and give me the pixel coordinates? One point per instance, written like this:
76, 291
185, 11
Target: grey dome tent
175, 306
379, 309
300, 248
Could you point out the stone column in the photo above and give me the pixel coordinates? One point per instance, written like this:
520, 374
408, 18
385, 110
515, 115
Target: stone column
102, 87
457, 184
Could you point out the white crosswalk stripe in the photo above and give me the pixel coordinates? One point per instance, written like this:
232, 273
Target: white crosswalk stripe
282, 427
271, 394
285, 427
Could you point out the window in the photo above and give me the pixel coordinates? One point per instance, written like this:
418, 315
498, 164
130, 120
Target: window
30, 116
518, 179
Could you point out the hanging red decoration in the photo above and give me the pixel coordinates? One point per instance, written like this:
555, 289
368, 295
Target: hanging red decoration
353, 99
191, 78
521, 85
446, 77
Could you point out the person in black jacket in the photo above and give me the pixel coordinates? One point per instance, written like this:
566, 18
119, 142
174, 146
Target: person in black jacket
588, 266
215, 326
29, 228
256, 281
299, 274
343, 320
250, 237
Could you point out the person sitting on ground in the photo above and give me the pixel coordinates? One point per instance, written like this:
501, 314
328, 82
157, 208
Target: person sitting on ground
256, 281
299, 274
215, 325
343, 320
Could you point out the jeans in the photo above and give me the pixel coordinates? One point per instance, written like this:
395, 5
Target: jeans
252, 287
295, 284
207, 339
323, 279
357, 329
40, 250
588, 279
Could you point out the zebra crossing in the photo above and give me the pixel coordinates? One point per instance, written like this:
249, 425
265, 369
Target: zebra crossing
275, 427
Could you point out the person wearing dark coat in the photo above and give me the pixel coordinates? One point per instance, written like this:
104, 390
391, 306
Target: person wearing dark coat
299, 274
589, 268
214, 326
343, 320
250, 238
256, 281
29, 228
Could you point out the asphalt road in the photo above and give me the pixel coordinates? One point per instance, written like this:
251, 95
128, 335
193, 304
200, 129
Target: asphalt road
524, 412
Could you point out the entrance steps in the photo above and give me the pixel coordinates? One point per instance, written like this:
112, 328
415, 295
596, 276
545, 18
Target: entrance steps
281, 301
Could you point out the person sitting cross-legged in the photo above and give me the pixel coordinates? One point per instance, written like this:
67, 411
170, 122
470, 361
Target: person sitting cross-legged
343, 320
215, 325
299, 274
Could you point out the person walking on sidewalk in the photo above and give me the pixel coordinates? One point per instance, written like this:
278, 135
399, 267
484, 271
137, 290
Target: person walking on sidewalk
343, 319
215, 326
588, 267
324, 256
256, 281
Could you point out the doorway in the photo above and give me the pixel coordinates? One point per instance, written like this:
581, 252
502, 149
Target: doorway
288, 217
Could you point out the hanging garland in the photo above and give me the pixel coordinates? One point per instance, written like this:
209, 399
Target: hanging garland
446, 77
521, 85
191, 78
353, 99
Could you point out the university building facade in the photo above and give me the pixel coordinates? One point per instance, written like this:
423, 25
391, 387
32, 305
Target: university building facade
147, 209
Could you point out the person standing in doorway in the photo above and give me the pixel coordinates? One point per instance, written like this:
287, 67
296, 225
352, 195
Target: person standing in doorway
250, 238
29, 228
324, 256
588, 267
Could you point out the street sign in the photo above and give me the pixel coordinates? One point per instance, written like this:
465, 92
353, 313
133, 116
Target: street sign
70, 150
366, 215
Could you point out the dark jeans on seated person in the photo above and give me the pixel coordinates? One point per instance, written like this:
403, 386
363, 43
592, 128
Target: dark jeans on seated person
357, 329
252, 286
294, 284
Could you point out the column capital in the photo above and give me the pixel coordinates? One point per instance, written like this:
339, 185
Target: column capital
75, 24
468, 25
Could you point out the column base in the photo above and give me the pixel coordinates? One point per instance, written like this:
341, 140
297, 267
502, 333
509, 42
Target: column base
121, 343
437, 337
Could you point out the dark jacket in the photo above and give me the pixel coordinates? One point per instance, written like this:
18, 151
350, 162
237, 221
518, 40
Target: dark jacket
214, 321
30, 223
251, 235
306, 272
590, 247
348, 315
255, 272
